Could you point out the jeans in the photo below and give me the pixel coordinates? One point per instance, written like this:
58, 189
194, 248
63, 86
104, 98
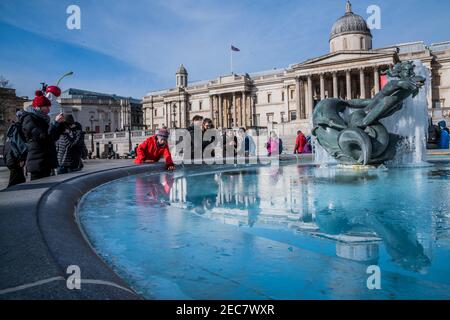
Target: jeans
64, 170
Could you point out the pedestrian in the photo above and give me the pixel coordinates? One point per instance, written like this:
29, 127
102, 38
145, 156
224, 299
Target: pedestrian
70, 147
41, 134
206, 126
15, 152
300, 143
274, 145
246, 143
444, 140
196, 126
229, 143
155, 147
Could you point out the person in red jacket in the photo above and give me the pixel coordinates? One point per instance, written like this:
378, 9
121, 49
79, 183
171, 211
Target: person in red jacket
300, 143
155, 147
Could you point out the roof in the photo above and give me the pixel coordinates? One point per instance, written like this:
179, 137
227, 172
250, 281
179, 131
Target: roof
85, 94
349, 23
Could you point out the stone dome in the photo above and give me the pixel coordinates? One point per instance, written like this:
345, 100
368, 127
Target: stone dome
350, 23
181, 70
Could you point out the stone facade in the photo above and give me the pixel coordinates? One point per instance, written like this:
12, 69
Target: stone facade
101, 112
286, 97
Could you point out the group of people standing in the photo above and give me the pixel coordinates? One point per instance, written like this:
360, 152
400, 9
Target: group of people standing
233, 144
37, 144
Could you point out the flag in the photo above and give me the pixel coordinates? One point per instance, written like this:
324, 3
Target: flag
234, 48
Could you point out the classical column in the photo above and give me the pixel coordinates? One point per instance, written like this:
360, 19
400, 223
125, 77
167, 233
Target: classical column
297, 91
251, 111
362, 83
235, 110
220, 120
168, 114
322, 86
335, 85
376, 79
348, 78
244, 110
310, 104
211, 108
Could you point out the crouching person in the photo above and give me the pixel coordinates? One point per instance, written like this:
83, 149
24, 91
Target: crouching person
155, 147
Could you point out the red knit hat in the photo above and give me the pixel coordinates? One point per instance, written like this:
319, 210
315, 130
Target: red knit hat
54, 89
40, 100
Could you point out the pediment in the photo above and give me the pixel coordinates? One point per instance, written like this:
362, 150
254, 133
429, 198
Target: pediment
344, 56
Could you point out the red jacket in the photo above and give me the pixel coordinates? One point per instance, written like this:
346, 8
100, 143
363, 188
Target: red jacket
300, 143
149, 150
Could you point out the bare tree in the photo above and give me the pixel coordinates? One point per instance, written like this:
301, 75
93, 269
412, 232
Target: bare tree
4, 83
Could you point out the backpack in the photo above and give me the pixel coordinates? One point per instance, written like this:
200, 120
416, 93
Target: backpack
16, 141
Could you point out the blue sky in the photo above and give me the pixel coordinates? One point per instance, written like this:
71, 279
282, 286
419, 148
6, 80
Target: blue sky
133, 47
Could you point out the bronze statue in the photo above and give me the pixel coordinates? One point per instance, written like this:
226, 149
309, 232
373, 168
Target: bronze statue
361, 139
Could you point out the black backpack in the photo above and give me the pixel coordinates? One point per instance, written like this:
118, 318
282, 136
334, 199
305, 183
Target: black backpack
15, 140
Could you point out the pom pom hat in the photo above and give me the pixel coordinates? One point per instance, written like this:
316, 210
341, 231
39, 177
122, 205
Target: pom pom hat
40, 100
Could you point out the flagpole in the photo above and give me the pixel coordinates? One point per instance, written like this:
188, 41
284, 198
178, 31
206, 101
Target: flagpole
231, 60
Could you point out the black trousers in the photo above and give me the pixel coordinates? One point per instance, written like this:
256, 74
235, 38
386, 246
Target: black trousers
16, 176
40, 174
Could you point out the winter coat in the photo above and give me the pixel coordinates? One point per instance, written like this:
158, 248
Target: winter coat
274, 145
300, 143
149, 150
69, 148
40, 136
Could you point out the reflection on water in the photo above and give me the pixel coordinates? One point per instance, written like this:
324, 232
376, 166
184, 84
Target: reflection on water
357, 210
280, 232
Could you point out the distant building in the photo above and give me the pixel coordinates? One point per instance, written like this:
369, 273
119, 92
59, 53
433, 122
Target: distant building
352, 69
102, 112
9, 105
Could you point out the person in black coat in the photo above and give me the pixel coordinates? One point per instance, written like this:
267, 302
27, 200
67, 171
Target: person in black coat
70, 146
196, 125
41, 134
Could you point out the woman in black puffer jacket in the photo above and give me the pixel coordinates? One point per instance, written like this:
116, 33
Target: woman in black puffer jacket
41, 135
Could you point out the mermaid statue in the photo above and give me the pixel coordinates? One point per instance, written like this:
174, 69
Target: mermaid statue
357, 137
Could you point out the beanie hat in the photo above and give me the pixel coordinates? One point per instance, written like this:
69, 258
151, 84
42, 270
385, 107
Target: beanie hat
54, 89
40, 100
163, 133
69, 119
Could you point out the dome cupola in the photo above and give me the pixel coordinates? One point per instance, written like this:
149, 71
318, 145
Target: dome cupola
350, 32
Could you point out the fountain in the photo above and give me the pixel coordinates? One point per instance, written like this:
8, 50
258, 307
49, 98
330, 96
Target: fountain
388, 129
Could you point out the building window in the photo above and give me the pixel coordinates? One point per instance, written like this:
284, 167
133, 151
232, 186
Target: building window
200, 105
282, 117
270, 118
269, 98
257, 120
363, 45
156, 112
292, 94
292, 115
282, 96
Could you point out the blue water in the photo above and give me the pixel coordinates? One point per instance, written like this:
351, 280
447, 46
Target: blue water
289, 232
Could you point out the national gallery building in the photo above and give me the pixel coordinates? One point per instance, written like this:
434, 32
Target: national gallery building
352, 69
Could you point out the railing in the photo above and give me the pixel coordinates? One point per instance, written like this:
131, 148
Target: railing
440, 112
119, 135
